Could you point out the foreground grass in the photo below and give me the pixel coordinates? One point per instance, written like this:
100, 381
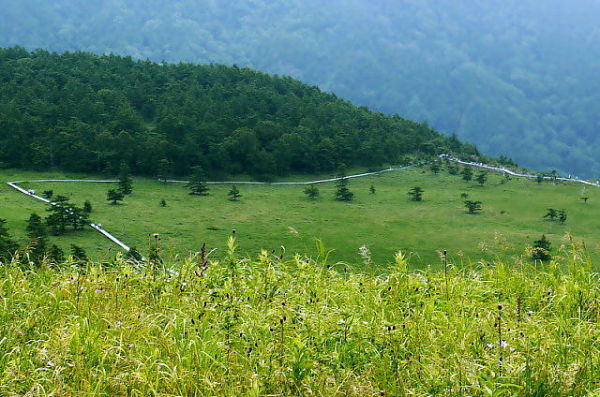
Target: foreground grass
269, 326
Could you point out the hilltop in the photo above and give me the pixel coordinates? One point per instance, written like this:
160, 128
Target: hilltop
514, 77
87, 113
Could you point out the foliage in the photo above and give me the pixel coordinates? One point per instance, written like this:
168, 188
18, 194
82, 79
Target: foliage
8, 246
87, 113
481, 178
311, 191
473, 207
342, 192
295, 327
125, 181
541, 249
234, 193
372, 189
467, 174
416, 193
197, 184
114, 196
63, 214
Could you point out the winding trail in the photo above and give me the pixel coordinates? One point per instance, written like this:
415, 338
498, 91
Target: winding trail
100, 229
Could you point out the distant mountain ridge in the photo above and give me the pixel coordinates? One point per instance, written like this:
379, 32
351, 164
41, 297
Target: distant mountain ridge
88, 113
516, 77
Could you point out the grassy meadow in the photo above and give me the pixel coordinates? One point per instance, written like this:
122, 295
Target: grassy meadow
269, 217
266, 327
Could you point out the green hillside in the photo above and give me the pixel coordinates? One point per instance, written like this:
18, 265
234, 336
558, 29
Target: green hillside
268, 217
86, 113
515, 77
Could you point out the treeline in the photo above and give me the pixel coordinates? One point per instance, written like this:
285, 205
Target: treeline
87, 113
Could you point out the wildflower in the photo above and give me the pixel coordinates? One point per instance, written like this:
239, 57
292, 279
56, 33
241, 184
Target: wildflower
490, 345
99, 291
119, 323
529, 313
503, 344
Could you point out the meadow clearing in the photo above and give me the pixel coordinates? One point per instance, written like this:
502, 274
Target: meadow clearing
269, 217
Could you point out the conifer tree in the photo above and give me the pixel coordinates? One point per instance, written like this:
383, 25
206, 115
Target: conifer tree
234, 194
343, 193
473, 207
125, 181
197, 185
372, 189
312, 192
541, 249
7, 245
467, 174
481, 178
87, 207
114, 196
416, 194
35, 227
78, 254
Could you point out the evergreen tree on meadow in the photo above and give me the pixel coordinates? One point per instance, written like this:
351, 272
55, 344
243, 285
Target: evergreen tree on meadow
452, 169
416, 193
473, 207
163, 203
562, 216
539, 179
36, 231
87, 207
79, 254
114, 196
8, 246
163, 170
312, 192
372, 189
541, 249
55, 254
481, 178
342, 192
234, 194
58, 218
125, 181
48, 194
435, 167
551, 214
35, 227
197, 185
467, 174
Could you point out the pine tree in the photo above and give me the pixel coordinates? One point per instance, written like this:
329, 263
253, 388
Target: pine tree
7, 246
435, 167
35, 227
372, 189
234, 194
114, 196
416, 194
467, 174
58, 219
481, 178
562, 216
48, 194
197, 185
473, 207
87, 207
343, 193
541, 249
55, 255
163, 203
125, 181
78, 254
539, 179
552, 214
163, 170
312, 192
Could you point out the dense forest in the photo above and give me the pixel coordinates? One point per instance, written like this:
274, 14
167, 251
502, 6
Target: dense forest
515, 77
89, 113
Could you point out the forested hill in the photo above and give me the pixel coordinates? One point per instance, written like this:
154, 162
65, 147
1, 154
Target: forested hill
514, 77
89, 113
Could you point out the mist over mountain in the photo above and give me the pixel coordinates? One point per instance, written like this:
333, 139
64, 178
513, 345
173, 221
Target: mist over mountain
515, 77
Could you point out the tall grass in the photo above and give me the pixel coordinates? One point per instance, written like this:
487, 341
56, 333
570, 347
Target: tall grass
272, 326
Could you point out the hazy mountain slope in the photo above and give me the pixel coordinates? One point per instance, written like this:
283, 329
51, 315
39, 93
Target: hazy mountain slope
83, 112
516, 77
